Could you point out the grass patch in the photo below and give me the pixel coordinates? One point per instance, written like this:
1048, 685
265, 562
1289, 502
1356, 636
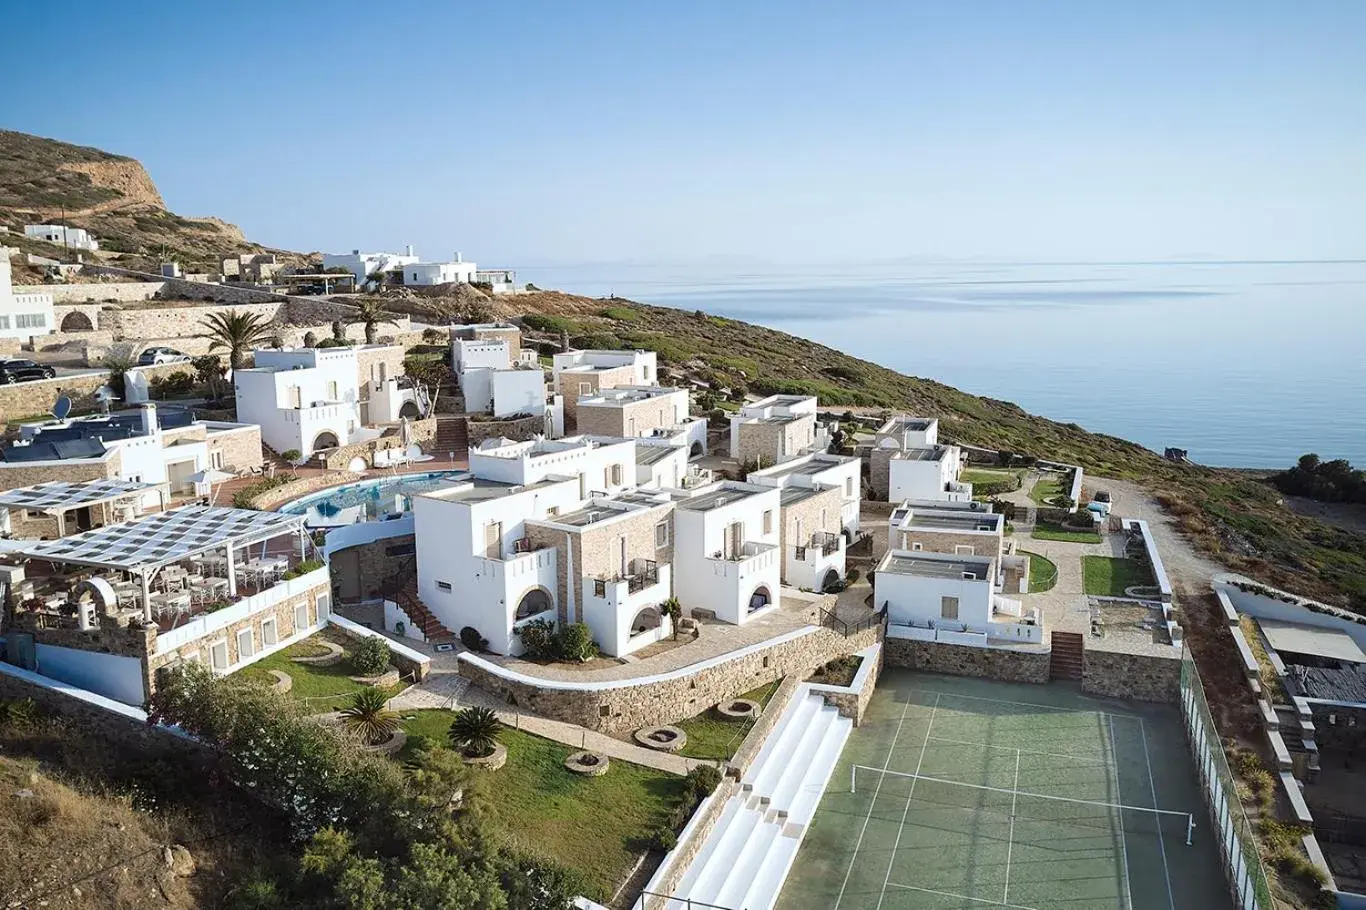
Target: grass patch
597, 826
979, 476
1110, 576
1048, 530
1048, 487
1270, 679
619, 314
324, 688
1043, 572
712, 736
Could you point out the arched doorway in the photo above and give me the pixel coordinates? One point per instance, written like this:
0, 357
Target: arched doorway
76, 321
537, 600
696, 450
409, 410
759, 599
647, 620
325, 440
831, 577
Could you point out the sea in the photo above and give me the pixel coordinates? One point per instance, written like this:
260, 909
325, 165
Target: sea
1243, 364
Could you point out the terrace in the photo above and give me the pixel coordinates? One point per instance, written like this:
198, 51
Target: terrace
83, 504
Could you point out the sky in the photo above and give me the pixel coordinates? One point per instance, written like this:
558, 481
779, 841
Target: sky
533, 133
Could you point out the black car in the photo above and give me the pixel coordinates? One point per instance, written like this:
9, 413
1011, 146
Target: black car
12, 371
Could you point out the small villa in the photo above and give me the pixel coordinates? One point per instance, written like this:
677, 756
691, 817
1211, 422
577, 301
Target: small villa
498, 378
650, 411
950, 598
961, 533
775, 429
816, 471
727, 551
584, 374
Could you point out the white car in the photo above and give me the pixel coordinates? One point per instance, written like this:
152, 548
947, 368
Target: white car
153, 356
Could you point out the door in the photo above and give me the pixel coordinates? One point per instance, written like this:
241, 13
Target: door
493, 540
178, 473
346, 571
82, 517
735, 539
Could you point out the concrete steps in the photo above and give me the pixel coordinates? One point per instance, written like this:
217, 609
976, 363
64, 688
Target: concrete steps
452, 435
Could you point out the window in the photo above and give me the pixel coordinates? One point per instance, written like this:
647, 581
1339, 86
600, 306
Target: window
216, 460
301, 617
268, 635
218, 655
443, 585
768, 522
135, 478
616, 475
246, 646
917, 547
961, 549
552, 511
30, 320
332, 390
296, 397
4, 322
645, 372
585, 388
661, 535
848, 488
948, 608
324, 606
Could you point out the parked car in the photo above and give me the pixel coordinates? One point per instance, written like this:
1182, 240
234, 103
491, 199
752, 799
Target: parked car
1100, 503
12, 371
154, 356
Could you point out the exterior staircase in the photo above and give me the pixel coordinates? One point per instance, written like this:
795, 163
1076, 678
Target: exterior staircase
452, 435
1066, 660
401, 588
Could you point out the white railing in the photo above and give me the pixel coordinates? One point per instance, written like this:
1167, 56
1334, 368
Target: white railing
520, 564
247, 606
753, 557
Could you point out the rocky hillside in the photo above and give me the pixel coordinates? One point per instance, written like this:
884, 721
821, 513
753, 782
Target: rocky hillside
112, 196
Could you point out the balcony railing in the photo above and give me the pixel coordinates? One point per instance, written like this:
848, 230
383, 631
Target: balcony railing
822, 542
641, 574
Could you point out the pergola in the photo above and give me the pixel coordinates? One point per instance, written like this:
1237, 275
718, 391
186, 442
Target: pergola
145, 546
58, 497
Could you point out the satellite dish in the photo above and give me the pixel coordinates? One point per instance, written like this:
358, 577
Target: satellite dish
62, 409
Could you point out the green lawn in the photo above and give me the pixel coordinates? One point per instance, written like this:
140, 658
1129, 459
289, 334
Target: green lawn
980, 475
1047, 530
1049, 485
712, 736
325, 688
1108, 576
597, 826
1043, 573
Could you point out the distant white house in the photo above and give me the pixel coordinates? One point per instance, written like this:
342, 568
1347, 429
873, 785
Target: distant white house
634, 411
69, 237
497, 377
579, 373
500, 281
426, 274
363, 265
21, 315
950, 598
907, 462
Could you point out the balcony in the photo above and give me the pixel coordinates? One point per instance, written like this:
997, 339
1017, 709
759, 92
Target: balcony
822, 543
640, 574
527, 558
750, 558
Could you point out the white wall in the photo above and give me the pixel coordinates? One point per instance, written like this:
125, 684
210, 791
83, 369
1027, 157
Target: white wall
467, 354
698, 580
915, 479
667, 473
430, 273
328, 394
518, 392
36, 307
916, 598
110, 675
363, 265
644, 365
523, 463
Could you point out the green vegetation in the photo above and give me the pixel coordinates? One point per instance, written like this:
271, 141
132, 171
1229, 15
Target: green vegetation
1043, 573
712, 736
474, 732
245, 498
596, 826
1047, 487
236, 332
323, 688
977, 476
1048, 530
368, 716
371, 313
1326, 481
1109, 576
541, 322
619, 314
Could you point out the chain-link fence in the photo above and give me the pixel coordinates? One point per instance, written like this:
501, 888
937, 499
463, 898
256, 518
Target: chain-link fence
1237, 841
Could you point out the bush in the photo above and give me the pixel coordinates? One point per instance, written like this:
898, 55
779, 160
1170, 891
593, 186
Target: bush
245, 497
474, 732
370, 657
335, 343
310, 340
538, 639
470, 638
663, 839
575, 642
851, 576
702, 781
433, 335
303, 568
554, 325
18, 714
291, 455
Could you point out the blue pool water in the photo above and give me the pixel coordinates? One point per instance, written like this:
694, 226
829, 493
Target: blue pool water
367, 500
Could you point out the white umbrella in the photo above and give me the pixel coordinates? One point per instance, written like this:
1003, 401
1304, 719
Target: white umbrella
204, 480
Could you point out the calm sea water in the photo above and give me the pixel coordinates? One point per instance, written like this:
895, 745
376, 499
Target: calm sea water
1243, 364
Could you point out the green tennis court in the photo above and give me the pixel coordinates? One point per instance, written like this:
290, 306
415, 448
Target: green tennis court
955, 794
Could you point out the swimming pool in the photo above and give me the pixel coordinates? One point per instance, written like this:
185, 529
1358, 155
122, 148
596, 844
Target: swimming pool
367, 500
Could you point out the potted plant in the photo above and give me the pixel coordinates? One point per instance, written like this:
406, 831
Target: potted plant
369, 717
474, 734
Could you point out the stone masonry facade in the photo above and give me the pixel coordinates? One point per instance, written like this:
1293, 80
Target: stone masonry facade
31, 399
1005, 664
360, 572
1141, 677
520, 429
627, 708
637, 418
880, 471
22, 474
808, 513
573, 386
947, 542
768, 442
240, 448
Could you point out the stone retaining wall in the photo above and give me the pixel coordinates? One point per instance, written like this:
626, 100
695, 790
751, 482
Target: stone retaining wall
1138, 677
690, 844
29, 399
270, 499
852, 700
623, 707
411, 664
339, 459
1007, 665
520, 429
93, 293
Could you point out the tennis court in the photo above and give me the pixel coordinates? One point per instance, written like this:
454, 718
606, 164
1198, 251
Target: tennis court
962, 793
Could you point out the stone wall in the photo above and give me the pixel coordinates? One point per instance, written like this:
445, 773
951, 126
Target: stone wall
759, 442
573, 386
945, 542
29, 399
175, 321
371, 563
520, 429
852, 700
880, 471
690, 844
339, 459
368, 360
1005, 664
95, 292
409, 667
808, 512
241, 447
271, 499
673, 697
24, 474
1141, 677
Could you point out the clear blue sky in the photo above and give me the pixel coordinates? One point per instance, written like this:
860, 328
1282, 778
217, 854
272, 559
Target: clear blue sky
526, 133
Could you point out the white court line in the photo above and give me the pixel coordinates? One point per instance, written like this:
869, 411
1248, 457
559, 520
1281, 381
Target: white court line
1123, 842
964, 742
1010, 838
961, 897
1030, 704
1152, 788
910, 797
871, 806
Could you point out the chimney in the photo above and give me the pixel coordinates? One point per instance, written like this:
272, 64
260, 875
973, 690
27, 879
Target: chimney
149, 418
408, 250
355, 252
458, 257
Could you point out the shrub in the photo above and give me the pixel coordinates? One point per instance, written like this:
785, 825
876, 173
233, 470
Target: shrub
18, 714
663, 839
702, 780
335, 343
851, 576
370, 657
245, 498
310, 340
470, 638
474, 731
303, 568
575, 642
552, 324
369, 717
538, 639
291, 455
433, 335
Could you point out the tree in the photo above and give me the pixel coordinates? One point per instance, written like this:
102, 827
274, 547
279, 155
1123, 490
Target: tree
369, 716
375, 279
1309, 463
118, 367
674, 610
209, 370
474, 732
372, 314
236, 331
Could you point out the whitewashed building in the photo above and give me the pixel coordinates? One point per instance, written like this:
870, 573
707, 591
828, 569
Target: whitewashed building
727, 558
500, 281
363, 265
69, 237
819, 469
926, 473
22, 315
655, 411
580, 373
427, 274
503, 380
603, 467
951, 599
306, 399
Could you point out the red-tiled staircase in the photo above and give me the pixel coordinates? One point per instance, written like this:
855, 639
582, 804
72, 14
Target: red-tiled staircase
451, 436
1066, 662
401, 588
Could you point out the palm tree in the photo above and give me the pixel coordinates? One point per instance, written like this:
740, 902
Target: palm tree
475, 731
369, 716
372, 313
236, 331
674, 610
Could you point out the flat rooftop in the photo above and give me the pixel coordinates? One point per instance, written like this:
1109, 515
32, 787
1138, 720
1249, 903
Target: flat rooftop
790, 496
715, 499
954, 521
652, 455
624, 395
927, 567
806, 466
907, 425
479, 490
1314, 641
928, 453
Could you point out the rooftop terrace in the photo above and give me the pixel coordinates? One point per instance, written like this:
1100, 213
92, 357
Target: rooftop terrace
900, 562
720, 497
954, 521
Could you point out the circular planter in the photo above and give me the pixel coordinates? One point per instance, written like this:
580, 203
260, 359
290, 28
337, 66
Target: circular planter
331, 658
283, 681
593, 764
491, 762
665, 739
738, 709
391, 745
383, 681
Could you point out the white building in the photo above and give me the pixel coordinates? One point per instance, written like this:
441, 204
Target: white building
727, 560
906, 432
363, 265
819, 469
497, 379
926, 473
426, 274
950, 599
500, 281
656, 411
306, 399
603, 467
579, 373
22, 315
774, 429
69, 237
